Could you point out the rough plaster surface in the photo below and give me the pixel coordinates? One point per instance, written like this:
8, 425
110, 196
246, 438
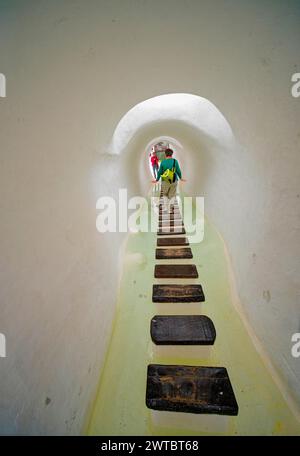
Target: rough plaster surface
73, 69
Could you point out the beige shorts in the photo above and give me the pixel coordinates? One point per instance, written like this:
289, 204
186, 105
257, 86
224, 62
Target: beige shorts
169, 190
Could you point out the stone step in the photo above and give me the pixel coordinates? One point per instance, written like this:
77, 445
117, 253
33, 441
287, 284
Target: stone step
168, 254
190, 389
175, 271
170, 242
182, 330
177, 293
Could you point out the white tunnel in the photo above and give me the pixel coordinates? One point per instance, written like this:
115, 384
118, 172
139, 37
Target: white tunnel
89, 86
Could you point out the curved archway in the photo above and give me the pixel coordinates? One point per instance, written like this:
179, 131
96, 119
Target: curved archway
189, 120
192, 110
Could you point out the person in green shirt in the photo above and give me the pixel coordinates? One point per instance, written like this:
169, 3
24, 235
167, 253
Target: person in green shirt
169, 183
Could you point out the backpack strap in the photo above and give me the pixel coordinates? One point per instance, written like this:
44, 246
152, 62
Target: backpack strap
174, 175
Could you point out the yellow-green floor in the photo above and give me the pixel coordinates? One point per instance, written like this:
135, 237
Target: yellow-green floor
120, 404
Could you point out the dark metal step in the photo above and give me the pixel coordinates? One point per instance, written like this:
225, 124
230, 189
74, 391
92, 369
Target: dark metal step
182, 330
175, 271
168, 254
190, 389
177, 293
165, 242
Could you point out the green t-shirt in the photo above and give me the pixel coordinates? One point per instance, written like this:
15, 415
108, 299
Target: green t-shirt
169, 163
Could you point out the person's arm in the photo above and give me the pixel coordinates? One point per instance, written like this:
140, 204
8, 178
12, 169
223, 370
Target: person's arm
160, 172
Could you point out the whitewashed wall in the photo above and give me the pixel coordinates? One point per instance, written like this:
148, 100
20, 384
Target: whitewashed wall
73, 69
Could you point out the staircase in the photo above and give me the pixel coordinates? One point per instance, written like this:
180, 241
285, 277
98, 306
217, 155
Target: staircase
192, 390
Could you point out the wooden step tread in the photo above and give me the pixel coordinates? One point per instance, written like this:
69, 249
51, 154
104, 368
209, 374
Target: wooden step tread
166, 212
166, 202
166, 230
166, 207
175, 271
164, 242
177, 293
182, 330
163, 202
166, 254
170, 223
190, 389
163, 218
170, 216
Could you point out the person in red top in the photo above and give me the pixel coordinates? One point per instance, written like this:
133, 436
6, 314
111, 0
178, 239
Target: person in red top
154, 163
